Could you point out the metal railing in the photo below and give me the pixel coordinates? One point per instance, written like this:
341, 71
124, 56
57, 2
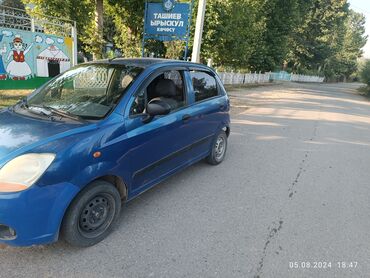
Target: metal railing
19, 19
306, 78
231, 78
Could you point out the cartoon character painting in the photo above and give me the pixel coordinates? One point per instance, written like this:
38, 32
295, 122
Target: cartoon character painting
18, 69
2, 69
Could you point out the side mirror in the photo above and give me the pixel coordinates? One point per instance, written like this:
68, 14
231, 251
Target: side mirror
156, 107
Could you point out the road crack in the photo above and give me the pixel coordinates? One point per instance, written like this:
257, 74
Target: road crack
275, 227
292, 188
273, 231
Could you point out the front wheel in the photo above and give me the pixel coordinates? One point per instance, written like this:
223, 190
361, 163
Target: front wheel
92, 215
218, 150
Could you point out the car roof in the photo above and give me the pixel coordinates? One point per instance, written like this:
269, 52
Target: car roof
148, 62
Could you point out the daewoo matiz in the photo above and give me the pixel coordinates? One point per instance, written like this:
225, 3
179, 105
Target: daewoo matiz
99, 135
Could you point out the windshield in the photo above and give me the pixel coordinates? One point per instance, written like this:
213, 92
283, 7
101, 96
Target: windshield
89, 91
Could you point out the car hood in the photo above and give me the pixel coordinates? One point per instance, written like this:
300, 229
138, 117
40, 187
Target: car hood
19, 132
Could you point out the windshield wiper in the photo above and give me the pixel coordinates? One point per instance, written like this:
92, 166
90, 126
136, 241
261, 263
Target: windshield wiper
64, 114
38, 110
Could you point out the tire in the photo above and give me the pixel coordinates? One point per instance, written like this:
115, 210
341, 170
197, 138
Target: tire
217, 155
92, 215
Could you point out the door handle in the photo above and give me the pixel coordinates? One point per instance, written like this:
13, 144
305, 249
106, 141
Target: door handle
186, 117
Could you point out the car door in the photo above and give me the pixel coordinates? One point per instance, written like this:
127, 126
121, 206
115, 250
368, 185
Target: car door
208, 107
157, 148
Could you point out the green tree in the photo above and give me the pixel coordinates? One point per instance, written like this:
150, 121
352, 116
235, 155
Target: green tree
233, 33
81, 11
365, 75
128, 17
314, 41
345, 62
281, 18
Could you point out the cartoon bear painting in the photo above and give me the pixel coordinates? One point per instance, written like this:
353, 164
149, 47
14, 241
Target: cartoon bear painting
18, 69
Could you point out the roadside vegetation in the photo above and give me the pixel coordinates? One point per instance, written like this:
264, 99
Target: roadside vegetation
365, 78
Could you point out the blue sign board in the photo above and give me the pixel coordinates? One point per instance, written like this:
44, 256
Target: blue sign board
167, 19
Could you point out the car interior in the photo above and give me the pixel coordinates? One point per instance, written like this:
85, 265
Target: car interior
167, 87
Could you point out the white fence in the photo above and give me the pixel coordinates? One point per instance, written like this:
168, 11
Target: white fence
232, 78
306, 78
229, 78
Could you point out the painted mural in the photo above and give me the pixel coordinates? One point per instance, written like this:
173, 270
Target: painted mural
29, 59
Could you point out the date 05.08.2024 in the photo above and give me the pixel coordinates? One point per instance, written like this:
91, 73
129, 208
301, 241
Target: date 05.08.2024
322, 264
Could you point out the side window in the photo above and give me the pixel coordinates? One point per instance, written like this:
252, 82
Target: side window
138, 107
168, 87
204, 84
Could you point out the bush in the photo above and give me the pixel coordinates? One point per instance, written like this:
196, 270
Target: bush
365, 74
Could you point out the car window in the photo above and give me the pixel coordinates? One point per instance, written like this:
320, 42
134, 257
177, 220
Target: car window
88, 91
168, 87
204, 84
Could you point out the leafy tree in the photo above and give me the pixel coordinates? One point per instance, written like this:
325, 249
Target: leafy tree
345, 61
315, 38
365, 74
128, 17
281, 18
81, 11
233, 33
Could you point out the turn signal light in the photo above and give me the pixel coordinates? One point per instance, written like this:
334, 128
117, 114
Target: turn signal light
11, 187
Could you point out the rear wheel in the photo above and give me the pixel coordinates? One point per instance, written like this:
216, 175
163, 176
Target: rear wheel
92, 215
218, 150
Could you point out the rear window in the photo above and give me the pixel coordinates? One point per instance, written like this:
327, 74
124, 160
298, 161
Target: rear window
204, 84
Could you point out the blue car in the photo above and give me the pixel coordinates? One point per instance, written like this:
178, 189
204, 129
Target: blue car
98, 135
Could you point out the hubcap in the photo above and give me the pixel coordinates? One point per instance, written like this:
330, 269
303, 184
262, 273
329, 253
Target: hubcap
97, 216
220, 148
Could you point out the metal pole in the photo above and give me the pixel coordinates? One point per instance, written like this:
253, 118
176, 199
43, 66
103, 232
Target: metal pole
74, 36
33, 29
199, 31
186, 49
188, 31
144, 33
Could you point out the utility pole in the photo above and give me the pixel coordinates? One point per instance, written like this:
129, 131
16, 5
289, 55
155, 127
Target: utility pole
198, 31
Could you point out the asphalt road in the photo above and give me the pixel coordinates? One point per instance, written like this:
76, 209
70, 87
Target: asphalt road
295, 187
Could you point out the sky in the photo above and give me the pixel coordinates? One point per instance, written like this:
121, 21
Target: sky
363, 6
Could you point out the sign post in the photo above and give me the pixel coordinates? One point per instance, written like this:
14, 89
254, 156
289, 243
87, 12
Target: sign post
198, 31
167, 21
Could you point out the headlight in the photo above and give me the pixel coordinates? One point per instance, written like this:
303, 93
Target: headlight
23, 171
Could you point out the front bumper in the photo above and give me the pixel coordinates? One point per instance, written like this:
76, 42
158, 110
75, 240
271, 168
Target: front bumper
36, 214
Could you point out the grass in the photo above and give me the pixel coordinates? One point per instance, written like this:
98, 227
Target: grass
10, 97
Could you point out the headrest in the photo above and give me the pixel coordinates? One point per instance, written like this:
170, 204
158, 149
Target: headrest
166, 87
126, 81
